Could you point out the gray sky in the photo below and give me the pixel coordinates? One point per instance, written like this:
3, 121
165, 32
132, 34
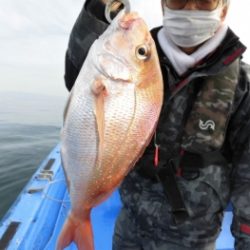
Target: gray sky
34, 36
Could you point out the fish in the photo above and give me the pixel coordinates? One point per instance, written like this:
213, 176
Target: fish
109, 120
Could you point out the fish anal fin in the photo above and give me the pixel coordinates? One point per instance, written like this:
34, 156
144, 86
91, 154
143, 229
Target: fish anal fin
65, 172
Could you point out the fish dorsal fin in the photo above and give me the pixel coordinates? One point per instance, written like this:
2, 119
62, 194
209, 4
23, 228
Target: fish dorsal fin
99, 91
114, 68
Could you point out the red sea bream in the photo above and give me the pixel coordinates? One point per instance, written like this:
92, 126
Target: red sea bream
110, 117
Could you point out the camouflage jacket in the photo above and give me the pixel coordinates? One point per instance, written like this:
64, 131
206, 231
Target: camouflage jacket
181, 97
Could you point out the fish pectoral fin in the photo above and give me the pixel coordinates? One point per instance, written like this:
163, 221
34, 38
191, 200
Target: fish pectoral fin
114, 68
99, 90
98, 87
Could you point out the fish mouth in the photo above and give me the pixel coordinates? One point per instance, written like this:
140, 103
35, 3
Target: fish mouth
127, 20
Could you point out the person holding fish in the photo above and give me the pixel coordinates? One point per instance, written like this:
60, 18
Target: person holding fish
195, 158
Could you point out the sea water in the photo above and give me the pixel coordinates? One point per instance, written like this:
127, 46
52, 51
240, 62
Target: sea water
29, 129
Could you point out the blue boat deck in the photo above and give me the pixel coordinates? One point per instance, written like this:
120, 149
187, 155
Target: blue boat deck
35, 219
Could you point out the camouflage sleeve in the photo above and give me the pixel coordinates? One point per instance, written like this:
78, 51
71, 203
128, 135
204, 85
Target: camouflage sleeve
240, 149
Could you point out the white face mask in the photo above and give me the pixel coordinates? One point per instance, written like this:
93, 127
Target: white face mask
189, 28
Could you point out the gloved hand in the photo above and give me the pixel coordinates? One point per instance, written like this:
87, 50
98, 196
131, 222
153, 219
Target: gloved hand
97, 8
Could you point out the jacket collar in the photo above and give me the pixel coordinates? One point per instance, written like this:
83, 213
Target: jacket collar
230, 49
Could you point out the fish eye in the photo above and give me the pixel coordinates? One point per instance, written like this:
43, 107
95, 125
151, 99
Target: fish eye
142, 52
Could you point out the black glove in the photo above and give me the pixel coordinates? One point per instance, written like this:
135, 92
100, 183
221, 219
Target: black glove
96, 8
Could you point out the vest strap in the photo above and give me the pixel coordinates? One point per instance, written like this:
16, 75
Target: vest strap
167, 177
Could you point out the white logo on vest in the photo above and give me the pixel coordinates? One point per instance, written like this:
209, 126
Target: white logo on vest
209, 124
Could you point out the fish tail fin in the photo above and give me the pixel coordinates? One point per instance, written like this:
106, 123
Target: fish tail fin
79, 231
